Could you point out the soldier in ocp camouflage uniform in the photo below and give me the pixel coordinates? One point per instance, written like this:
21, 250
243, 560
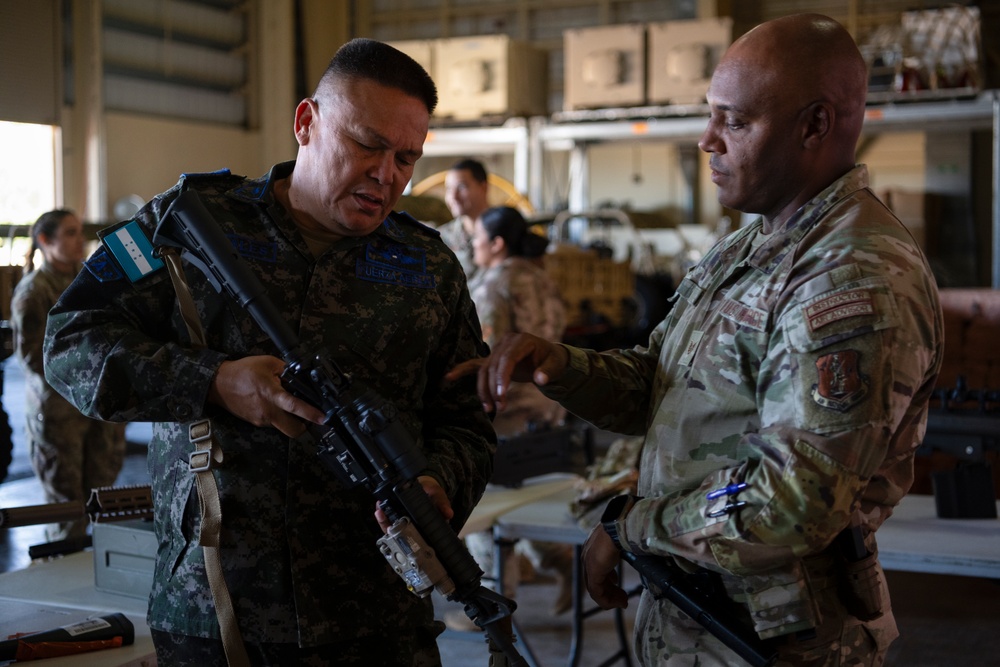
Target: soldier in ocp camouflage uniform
513, 293
466, 193
379, 292
783, 397
70, 453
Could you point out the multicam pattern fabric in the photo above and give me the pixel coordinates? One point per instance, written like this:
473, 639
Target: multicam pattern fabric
70, 453
799, 363
298, 548
514, 296
460, 241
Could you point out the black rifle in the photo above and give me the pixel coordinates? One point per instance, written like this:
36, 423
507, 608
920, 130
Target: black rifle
668, 581
362, 441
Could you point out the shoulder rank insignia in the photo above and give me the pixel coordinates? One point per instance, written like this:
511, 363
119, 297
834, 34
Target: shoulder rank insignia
131, 250
840, 384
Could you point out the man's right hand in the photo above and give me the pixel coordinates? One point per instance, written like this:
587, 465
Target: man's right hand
516, 357
250, 388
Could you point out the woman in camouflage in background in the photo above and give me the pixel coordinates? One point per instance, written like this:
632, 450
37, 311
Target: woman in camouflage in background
70, 453
513, 294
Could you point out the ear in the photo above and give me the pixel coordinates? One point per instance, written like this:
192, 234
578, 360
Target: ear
498, 245
819, 118
306, 115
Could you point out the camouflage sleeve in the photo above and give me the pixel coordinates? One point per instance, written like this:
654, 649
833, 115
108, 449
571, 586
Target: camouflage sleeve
458, 437
29, 312
842, 394
113, 351
493, 308
612, 390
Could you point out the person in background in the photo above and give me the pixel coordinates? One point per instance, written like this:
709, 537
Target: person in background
512, 294
380, 294
70, 453
466, 190
784, 396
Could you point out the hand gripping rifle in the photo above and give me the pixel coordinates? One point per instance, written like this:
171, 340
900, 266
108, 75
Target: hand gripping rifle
362, 441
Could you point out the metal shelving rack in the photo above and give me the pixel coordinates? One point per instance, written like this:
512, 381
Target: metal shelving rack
528, 139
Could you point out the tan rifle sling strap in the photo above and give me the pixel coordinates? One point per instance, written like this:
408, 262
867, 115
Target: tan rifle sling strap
207, 454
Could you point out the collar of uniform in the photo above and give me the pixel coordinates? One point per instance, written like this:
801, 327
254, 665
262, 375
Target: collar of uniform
781, 241
256, 190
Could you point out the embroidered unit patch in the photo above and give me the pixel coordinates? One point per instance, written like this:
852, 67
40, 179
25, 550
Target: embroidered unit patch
131, 250
839, 307
841, 385
395, 265
102, 267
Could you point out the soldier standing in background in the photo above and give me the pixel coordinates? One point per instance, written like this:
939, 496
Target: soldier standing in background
466, 190
70, 453
513, 294
379, 293
784, 396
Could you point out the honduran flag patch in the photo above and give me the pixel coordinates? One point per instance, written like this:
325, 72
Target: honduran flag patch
131, 249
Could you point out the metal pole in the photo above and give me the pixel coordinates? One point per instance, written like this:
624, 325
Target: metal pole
996, 189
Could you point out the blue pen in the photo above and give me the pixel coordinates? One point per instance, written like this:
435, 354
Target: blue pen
729, 490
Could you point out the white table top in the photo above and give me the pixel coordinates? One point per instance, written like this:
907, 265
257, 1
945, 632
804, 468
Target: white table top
912, 539
60, 591
499, 500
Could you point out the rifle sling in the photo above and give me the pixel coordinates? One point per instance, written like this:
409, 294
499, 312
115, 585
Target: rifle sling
205, 454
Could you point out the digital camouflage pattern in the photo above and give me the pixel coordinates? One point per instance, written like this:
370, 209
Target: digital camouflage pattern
515, 296
298, 549
70, 453
800, 363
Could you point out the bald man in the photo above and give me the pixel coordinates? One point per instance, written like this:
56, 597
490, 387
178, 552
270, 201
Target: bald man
783, 397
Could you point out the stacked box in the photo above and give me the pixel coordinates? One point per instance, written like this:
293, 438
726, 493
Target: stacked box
489, 76
682, 57
421, 50
605, 66
583, 276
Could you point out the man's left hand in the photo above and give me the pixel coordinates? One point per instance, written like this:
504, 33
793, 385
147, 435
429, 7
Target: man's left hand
437, 495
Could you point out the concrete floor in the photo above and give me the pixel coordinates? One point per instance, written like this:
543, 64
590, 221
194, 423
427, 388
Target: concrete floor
944, 621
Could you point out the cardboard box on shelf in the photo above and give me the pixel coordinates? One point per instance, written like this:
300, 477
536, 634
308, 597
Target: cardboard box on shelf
682, 57
421, 50
605, 66
490, 75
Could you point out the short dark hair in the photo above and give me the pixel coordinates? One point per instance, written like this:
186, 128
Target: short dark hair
377, 61
475, 167
510, 225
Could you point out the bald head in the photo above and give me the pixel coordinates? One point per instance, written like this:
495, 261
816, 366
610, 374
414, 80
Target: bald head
806, 58
787, 103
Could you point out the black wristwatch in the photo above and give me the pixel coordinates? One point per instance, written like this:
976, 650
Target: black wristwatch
615, 513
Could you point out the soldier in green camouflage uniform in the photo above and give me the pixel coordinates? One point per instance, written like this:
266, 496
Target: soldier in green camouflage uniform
70, 453
783, 397
380, 293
